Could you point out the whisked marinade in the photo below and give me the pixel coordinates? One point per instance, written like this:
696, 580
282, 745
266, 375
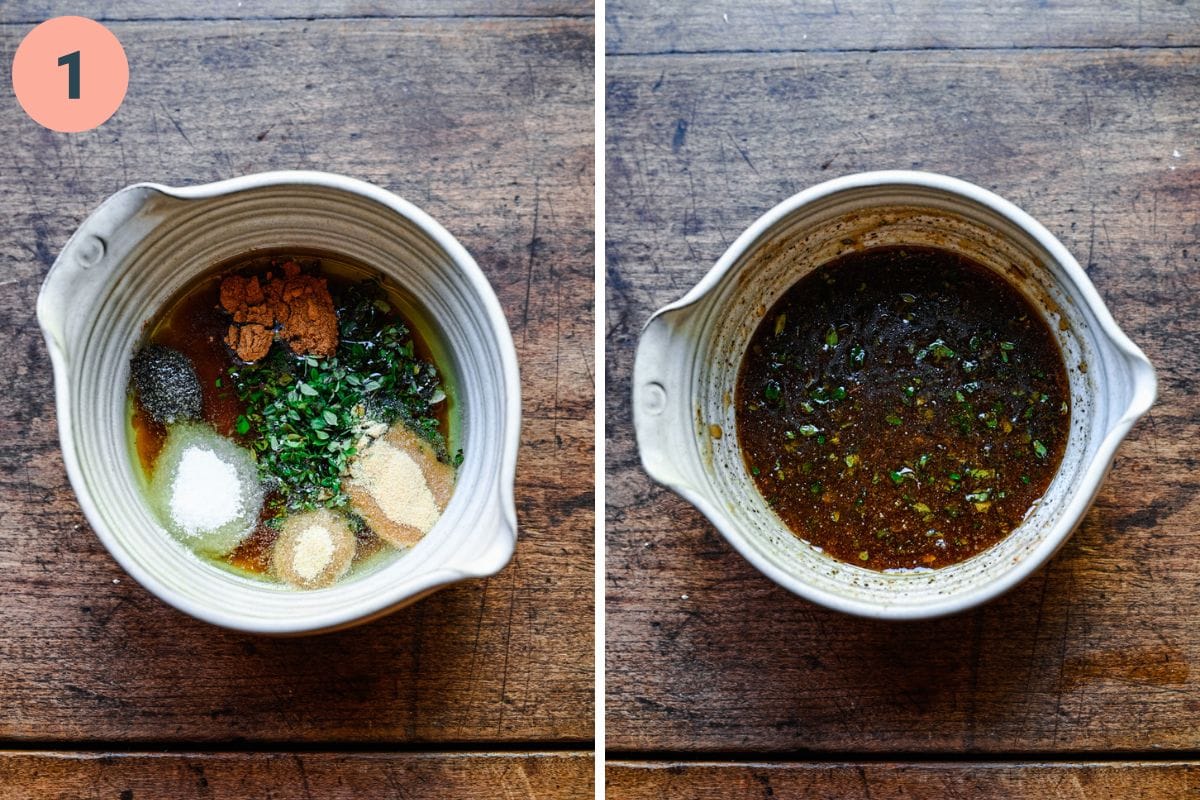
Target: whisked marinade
902, 407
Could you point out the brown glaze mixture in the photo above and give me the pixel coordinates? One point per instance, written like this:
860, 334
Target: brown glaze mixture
902, 407
197, 325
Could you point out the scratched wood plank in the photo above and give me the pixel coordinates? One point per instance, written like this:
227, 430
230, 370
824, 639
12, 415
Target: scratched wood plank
34, 11
781, 25
487, 125
882, 781
136, 776
1096, 652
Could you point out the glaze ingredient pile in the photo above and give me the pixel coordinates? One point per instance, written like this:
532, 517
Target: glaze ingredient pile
205, 493
291, 423
313, 549
308, 415
290, 305
166, 384
398, 485
206, 489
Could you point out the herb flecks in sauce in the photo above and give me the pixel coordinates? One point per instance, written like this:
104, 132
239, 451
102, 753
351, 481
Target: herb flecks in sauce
902, 407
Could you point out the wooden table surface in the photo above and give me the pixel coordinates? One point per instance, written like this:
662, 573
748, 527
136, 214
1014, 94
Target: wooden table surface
484, 118
1085, 680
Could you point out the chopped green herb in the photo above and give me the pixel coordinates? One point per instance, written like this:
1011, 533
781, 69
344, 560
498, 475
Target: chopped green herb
831, 337
304, 413
892, 419
1039, 449
938, 349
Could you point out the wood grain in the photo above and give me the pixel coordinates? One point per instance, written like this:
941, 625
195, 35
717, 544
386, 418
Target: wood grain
336, 776
883, 781
34, 11
487, 125
815, 25
1095, 652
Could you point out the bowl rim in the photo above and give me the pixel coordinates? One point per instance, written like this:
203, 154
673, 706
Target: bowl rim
498, 553
1080, 496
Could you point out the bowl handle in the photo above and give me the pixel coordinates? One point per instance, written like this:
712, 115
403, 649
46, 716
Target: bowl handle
493, 555
662, 415
1142, 386
80, 273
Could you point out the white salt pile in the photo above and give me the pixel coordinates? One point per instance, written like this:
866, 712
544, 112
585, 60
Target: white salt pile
313, 549
206, 489
398, 485
206, 493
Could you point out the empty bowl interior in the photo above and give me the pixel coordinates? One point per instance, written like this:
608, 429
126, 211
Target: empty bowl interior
722, 323
166, 248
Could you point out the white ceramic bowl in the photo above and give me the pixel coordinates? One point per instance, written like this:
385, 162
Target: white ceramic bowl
689, 353
145, 244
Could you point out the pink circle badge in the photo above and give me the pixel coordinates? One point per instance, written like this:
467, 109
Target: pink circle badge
70, 74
